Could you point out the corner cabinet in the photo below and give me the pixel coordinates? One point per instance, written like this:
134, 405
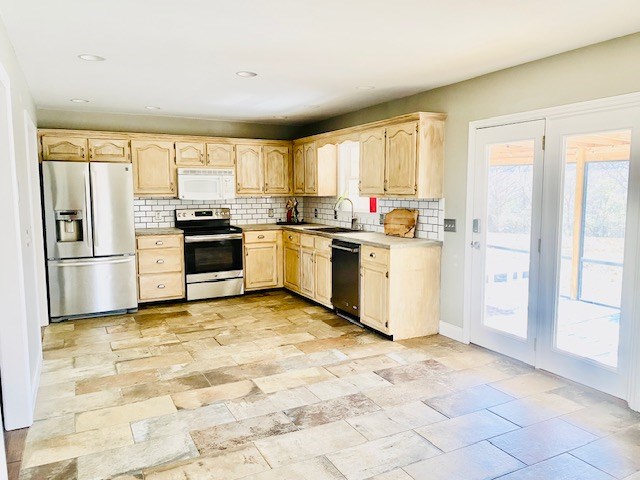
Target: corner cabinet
154, 168
403, 158
400, 290
262, 259
263, 169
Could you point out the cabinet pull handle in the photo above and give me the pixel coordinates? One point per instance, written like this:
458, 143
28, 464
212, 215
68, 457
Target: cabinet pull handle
161, 286
260, 237
372, 255
160, 261
159, 242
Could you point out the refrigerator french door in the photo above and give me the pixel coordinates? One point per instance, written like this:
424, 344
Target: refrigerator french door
90, 238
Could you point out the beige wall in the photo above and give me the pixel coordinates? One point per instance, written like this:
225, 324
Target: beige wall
161, 124
601, 70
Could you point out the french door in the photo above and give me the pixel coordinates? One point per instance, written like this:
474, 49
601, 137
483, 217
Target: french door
555, 243
506, 229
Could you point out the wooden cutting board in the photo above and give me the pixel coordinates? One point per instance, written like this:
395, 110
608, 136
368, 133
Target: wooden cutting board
401, 222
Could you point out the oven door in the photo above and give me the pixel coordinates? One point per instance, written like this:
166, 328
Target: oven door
213, 257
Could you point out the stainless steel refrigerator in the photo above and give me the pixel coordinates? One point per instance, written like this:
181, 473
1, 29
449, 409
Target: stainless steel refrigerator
88, 210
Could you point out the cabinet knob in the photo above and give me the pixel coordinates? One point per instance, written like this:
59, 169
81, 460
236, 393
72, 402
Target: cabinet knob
161, 286
160, 261
290, 237
372, 255
159, 242
260, 237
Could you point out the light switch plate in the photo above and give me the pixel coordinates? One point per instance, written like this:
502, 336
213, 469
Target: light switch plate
449, 225
157, 216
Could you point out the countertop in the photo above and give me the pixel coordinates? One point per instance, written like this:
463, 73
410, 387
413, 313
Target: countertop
157, 231
363, 238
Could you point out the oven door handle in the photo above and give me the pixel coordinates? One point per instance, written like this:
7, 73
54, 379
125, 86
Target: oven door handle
211, 238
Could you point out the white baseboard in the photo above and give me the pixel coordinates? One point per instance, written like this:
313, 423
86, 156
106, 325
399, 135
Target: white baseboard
451, 331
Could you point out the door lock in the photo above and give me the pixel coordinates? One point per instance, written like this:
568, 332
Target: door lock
475, 245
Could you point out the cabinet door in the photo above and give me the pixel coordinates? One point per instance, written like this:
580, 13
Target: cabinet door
220, 155
401, 159
154, 168
277, 165
105, 150
310, 169
190, 154
298, 169
307, 272
248, 169
292, 267
64, 148
323, 278
261, 265
375, 297
372, 162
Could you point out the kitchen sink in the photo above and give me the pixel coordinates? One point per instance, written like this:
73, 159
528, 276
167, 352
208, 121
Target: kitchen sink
335, 230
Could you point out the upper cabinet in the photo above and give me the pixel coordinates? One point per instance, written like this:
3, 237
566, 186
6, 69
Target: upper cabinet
154, 168
221, 155
315, 170
403, 159
263, 169
109, 150
189, 154
64, 148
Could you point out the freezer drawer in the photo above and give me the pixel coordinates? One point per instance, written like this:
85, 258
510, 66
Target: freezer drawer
92, 286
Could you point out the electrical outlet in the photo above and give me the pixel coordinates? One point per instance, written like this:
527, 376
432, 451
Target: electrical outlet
449, 225
157, 216
335, 214
270, 212
381, 218
315, 213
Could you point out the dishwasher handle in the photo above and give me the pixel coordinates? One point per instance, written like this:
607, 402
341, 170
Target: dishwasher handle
346, 249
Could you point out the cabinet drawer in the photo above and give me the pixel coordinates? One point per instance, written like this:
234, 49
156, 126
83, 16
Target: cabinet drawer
374, 255
261, 237
323, 244
159, 260
307, 241
292, 237
159, 241
161, 285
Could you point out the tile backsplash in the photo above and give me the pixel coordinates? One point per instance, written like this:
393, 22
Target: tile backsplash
430, 215
243, 210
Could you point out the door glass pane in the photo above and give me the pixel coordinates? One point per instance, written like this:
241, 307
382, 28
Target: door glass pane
592, 244
509, 208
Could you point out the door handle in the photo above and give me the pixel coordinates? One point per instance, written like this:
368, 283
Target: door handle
475, 245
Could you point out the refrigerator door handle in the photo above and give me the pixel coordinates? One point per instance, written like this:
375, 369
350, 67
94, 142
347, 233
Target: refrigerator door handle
86, 263
93, 226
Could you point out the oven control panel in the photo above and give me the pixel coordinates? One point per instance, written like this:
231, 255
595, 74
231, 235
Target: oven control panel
209, 214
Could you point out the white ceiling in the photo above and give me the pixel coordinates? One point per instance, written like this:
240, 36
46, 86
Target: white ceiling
310, 54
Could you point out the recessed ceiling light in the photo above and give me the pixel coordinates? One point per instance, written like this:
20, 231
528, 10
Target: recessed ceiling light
366, 87
79, 100
152, 107
91, 58
246, 74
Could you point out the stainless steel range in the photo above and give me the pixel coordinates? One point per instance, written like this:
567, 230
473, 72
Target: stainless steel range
213, 253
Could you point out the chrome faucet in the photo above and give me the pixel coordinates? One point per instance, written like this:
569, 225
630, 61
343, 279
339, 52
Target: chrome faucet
354, 220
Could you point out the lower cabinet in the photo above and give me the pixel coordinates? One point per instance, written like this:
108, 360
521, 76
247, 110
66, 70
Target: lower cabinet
323, 278
262, 260
160, 262
307, 261
307, 272
400, 290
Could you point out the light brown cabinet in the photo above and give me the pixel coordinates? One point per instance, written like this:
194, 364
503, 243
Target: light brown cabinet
190, 154
307, 272
401, 159
315, 170
160, 262
249, 170
308, 266
154, 168
109, 150
221, 155
263, 260
372, 162
67, 148
400, 290
277, 170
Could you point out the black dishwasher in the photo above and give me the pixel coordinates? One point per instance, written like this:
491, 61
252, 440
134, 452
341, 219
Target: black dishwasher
345, 269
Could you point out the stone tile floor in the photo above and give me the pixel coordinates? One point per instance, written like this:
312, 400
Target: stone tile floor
270, 386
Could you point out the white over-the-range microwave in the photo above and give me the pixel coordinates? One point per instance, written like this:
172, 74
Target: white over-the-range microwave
206, 183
